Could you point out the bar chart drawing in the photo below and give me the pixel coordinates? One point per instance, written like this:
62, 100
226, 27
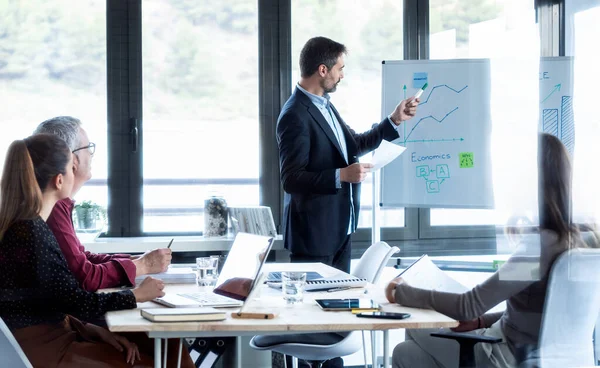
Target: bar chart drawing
567, 126
564, 127
550, 121
557, 116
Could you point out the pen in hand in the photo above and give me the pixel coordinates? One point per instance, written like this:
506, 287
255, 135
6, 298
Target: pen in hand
171, 242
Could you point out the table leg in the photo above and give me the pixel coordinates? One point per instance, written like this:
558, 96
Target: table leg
165, 356
374, 348
179, 356
157, 354
386, 348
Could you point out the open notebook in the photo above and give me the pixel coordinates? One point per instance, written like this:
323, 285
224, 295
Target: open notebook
327, 283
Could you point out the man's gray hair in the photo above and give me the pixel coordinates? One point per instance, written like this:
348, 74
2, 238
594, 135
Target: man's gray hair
66, 127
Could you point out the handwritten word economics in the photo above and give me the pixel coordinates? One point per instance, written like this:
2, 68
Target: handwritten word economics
414, 157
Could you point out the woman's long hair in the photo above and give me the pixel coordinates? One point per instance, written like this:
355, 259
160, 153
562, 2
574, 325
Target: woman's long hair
29, 166
555, 178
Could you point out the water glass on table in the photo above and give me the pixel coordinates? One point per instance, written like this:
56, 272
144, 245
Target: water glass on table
292, 284
207, 271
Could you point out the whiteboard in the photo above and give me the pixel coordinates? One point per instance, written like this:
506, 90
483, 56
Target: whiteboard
447, 162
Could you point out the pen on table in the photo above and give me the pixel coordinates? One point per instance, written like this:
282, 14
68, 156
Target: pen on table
338, 289
171, 242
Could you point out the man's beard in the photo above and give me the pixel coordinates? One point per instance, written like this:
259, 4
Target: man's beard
332, 89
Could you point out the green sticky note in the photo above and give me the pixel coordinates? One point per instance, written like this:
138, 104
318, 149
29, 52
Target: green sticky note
465, 159
496, 264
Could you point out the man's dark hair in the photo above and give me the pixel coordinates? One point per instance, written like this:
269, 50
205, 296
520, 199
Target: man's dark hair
317, 51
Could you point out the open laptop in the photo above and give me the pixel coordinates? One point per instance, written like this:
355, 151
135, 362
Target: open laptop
239, 275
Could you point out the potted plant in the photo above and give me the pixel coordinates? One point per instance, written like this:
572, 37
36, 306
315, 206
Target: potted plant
89, 217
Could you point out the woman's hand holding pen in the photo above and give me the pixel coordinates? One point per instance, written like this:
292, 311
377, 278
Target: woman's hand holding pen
149, 289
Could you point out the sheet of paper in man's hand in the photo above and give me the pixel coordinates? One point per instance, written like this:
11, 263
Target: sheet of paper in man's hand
386, 153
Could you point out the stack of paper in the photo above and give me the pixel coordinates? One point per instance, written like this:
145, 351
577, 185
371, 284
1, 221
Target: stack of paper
424, 274
174, 275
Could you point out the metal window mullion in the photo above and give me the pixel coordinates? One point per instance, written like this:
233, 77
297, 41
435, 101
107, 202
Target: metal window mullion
274, 73
124, 96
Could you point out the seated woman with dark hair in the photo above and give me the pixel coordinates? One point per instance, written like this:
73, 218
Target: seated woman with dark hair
519, 324
38, 293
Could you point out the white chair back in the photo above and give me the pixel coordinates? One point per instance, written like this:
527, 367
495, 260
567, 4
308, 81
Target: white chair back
373, 261
10, 352
571, 310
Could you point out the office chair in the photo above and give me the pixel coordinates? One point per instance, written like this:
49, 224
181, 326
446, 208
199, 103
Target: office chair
571, 312
377, 254
10, 351
329, 345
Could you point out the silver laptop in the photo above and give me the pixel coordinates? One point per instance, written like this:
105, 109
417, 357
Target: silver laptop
239, 275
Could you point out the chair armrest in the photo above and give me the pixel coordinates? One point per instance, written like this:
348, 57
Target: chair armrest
466, 337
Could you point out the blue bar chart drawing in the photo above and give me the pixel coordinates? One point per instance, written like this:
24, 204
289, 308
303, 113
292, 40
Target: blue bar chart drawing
561, 123
567, 126
550, 121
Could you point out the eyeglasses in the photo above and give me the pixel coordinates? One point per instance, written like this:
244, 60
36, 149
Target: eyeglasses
90, 147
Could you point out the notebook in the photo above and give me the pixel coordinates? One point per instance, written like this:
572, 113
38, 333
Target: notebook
237, 278
276, 276
182, 314
326, 284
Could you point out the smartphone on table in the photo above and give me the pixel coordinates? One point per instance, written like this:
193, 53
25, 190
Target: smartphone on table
385, 315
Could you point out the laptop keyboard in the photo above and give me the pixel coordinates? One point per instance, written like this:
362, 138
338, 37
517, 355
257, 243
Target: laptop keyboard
210, 299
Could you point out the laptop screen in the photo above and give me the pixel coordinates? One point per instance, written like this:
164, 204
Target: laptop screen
243, 265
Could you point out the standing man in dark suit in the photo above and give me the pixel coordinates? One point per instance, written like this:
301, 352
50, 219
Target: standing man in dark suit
318, 154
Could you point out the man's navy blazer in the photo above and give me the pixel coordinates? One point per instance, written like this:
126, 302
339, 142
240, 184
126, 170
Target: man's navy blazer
317, 214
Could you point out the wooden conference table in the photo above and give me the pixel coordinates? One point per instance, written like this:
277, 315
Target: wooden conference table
303, 317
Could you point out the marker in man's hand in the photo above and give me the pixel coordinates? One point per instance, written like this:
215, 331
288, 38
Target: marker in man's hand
420, 91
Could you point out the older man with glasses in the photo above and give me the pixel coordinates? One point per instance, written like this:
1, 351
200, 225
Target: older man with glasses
93, 271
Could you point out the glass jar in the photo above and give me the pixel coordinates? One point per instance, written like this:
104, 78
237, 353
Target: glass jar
215, 216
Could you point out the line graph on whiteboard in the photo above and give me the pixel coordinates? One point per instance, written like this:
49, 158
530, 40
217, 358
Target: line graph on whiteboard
434, 112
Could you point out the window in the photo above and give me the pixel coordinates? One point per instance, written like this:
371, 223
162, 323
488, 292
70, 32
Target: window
504, 31
200, 81
53, 62
582, 30
372, 32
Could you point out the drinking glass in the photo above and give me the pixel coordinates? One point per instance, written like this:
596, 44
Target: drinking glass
292, 284
207, 271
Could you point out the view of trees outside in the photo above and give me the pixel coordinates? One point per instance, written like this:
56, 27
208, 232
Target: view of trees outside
53, 62
200, 80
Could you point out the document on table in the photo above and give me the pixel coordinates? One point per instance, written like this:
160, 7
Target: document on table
386, 153
424, 274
